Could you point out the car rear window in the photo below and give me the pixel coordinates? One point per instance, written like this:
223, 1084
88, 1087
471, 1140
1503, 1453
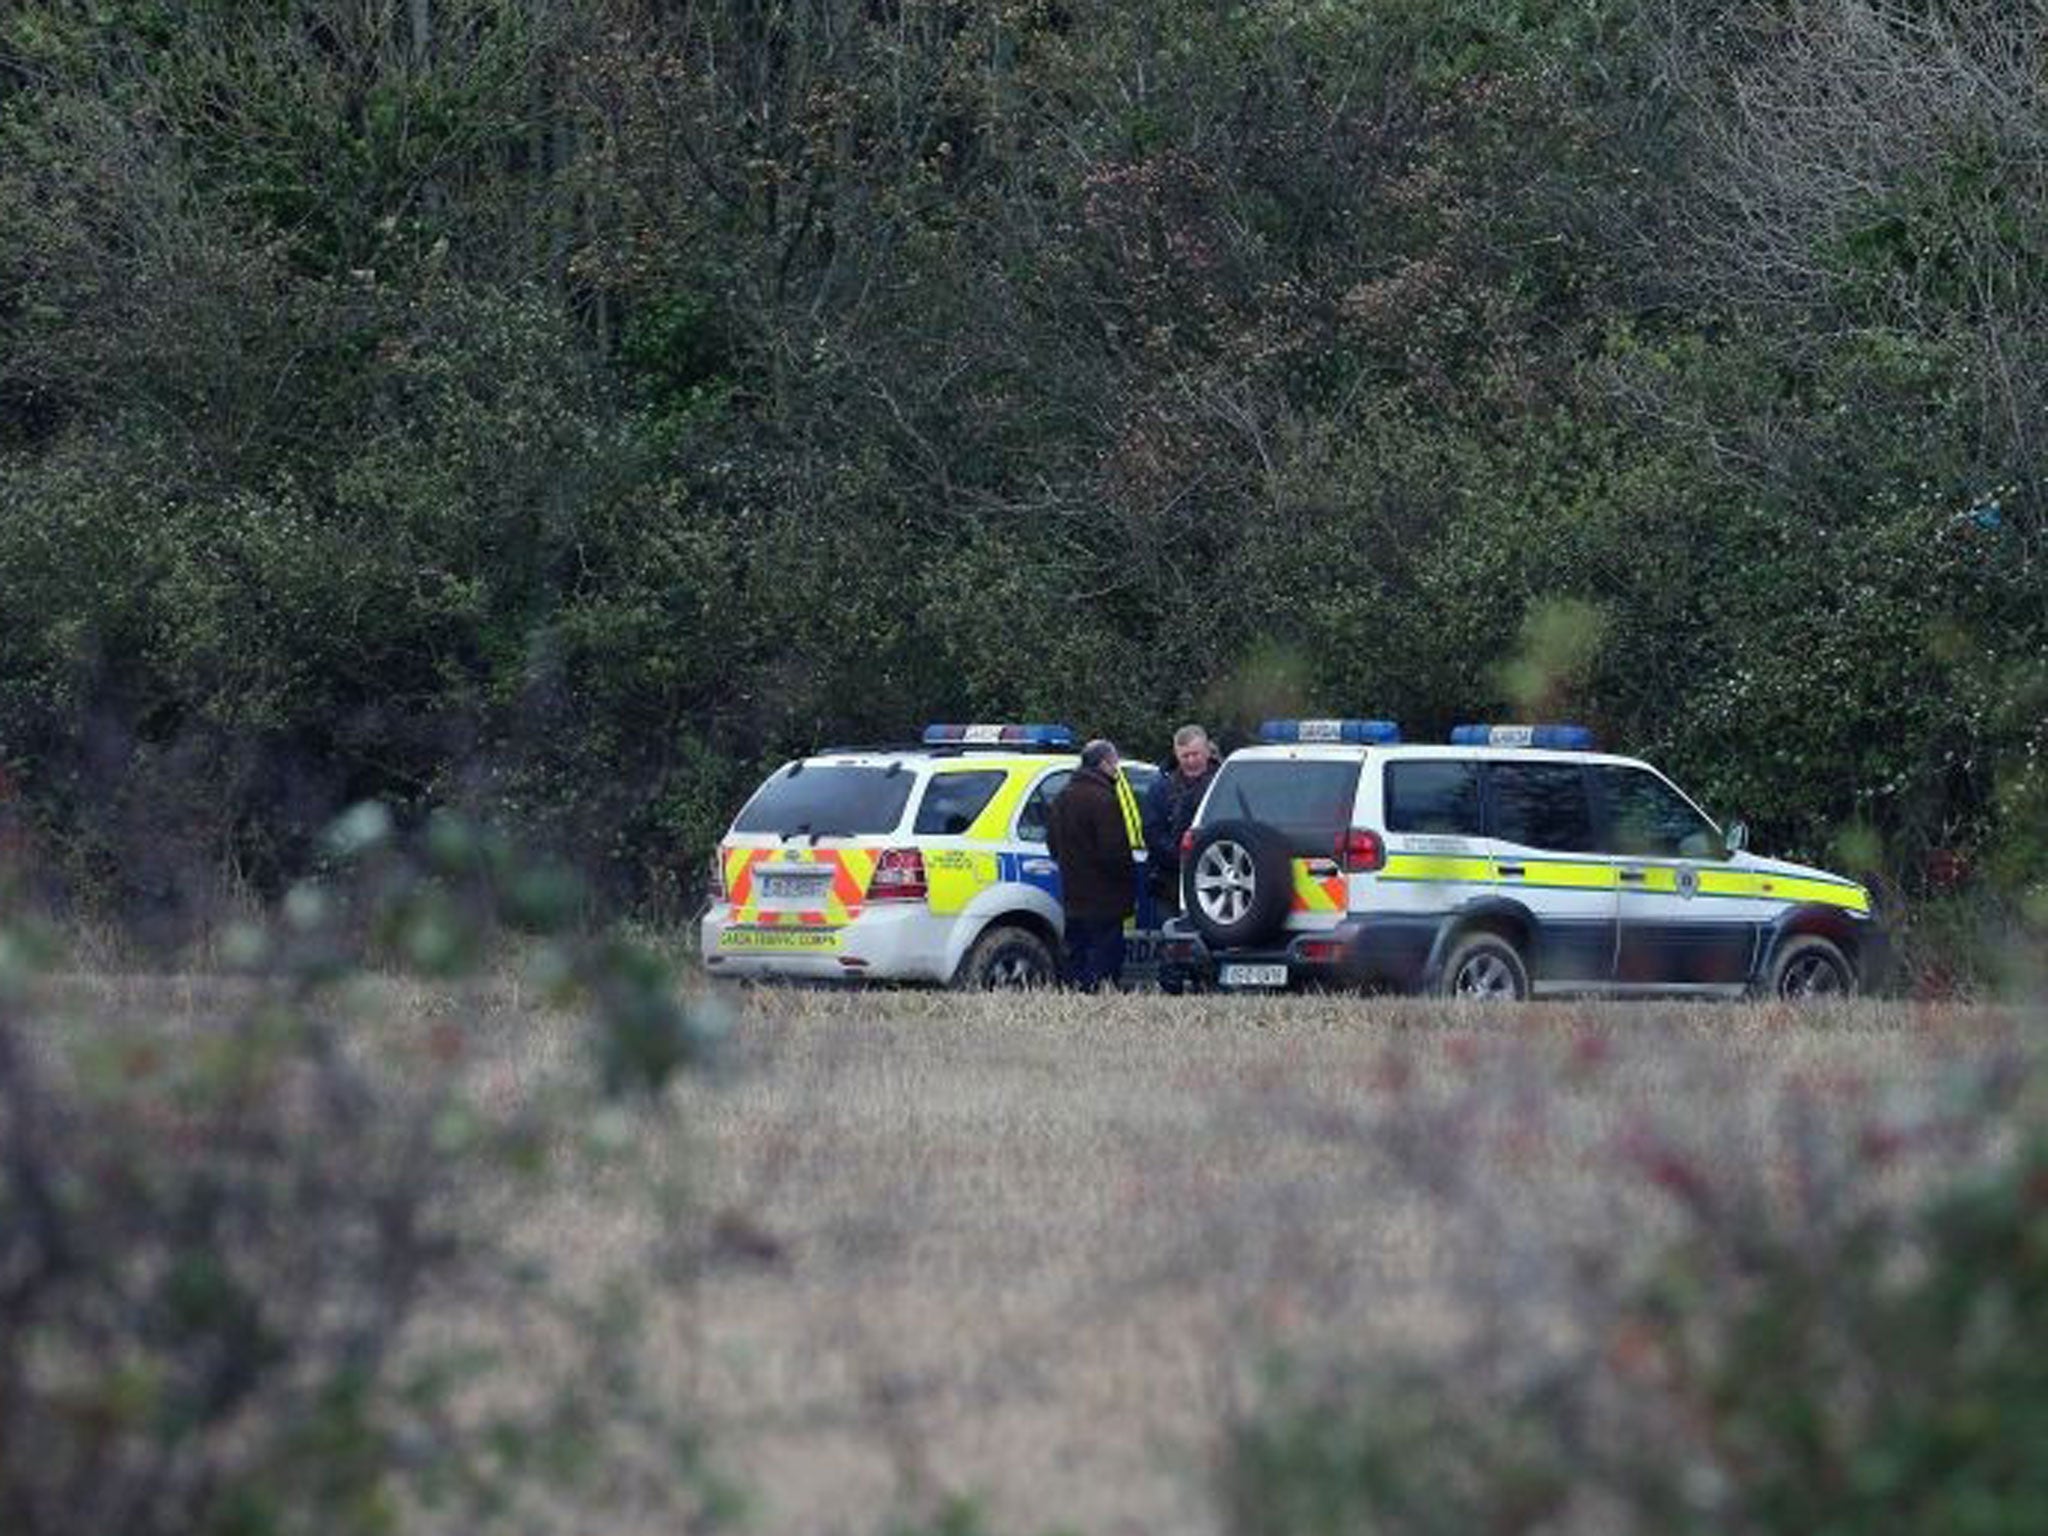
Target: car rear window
828, 800
1308, 800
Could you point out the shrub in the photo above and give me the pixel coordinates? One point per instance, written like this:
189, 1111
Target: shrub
1846, 1332
263, 1272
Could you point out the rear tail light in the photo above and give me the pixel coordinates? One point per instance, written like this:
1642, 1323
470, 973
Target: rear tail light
898, 876
1361, 852
718, 874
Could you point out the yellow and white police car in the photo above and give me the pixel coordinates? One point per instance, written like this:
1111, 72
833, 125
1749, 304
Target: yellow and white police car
924, 863
1510, 861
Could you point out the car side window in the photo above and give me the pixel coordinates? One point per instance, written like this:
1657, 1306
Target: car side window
1540, 805
1429, 795
1644, 817
1032, 820
952, 801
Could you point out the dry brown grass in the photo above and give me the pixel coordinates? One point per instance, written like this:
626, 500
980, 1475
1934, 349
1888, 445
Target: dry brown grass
1030, 1250
907, 1245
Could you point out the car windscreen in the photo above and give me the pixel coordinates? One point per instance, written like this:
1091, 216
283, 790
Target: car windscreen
1307, 800
828, 800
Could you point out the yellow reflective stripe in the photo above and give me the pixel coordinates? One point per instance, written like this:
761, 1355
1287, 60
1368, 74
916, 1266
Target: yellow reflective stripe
1851, 898
1314, 895
738, 861
1658, 879
1728, 882
1769, 887
1127, 801
1436, 866
1568, 874
736, 865
859, 864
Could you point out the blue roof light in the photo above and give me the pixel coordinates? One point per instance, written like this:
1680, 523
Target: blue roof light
1551, 738
998, 735
1372, 733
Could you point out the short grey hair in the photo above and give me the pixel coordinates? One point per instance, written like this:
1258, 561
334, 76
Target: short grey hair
1098, 752
1188, 735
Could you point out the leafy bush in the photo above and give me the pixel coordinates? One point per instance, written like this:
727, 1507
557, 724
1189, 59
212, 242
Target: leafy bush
1845, 1331
263, 1271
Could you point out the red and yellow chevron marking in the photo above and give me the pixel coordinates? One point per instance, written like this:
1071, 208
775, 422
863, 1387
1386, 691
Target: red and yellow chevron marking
1315, 891
851, 870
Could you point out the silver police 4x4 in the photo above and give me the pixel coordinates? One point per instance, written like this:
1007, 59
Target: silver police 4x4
1510, 861
920, 862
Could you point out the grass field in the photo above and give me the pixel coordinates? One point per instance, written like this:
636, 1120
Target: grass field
1035, 1251
913, 1245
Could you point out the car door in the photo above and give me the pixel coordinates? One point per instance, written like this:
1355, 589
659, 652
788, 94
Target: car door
1035, 865
1540, 821
1438, 858
1681, 923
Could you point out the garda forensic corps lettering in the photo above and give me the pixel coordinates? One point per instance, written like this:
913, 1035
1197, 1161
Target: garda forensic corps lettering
783, 940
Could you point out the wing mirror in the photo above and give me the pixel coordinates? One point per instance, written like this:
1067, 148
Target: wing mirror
1736, 837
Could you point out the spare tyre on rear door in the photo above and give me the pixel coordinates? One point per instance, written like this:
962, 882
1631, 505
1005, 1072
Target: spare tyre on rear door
1237, 882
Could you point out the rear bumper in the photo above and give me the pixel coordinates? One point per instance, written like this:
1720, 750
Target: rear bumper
881, 944
1390, 953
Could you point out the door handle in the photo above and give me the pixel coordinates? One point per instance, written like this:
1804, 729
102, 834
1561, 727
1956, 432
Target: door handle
1512, 871
1634, 876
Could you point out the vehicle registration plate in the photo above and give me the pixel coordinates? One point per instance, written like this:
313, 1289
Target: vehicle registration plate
1240, 975
792, 887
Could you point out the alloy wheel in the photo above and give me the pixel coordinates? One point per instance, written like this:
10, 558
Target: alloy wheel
1224, 881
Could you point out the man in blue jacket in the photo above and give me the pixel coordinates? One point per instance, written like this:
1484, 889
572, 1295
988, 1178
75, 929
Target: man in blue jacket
1170, 806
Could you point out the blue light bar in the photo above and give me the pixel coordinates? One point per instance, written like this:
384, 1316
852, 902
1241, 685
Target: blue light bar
1551, 738
1372, 733
998, 735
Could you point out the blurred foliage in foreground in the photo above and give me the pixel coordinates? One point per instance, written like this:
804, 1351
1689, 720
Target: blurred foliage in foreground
274, 1269
1845, 1329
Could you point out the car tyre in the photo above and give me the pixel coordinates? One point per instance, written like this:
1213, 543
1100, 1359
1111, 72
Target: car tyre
1484, 967
1007, 957
1237, 883
1808, 968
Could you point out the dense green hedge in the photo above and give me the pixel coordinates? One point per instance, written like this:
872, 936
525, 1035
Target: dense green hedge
568, 406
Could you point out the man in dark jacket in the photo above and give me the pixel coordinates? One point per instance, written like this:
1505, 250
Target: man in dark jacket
1091, 842
1170, 807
